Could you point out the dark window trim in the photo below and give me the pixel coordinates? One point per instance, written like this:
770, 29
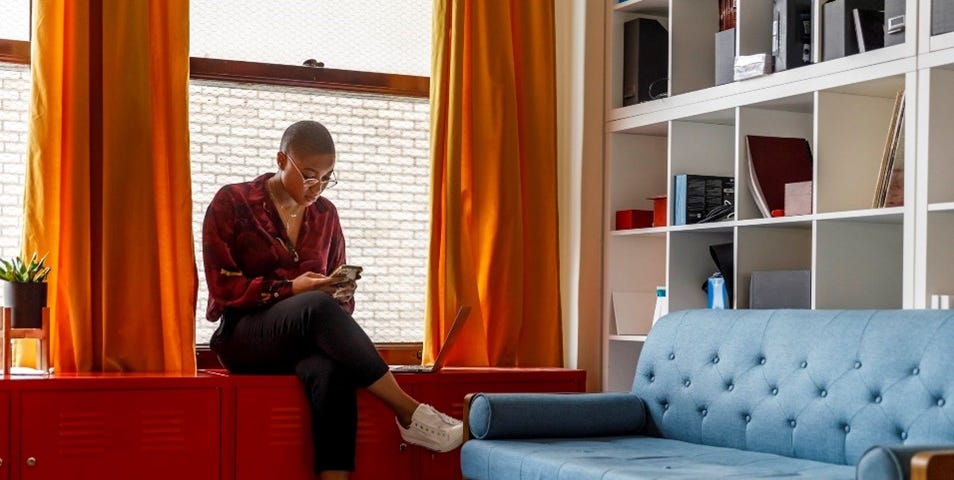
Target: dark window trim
18, 51
15, 51
309, 77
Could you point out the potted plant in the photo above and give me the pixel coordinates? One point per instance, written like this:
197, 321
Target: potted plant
24, 289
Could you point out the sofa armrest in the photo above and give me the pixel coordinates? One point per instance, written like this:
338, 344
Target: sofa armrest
538, 415
897, 462
933, 465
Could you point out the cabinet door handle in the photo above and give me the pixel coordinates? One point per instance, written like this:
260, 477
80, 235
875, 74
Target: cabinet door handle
31, 462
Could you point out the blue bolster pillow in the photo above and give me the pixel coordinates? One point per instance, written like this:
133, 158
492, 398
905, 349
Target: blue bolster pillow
523, 415
891, 462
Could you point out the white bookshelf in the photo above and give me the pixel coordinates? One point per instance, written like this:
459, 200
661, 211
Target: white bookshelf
858, 256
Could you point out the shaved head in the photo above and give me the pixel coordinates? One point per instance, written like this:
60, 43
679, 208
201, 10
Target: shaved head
307, 137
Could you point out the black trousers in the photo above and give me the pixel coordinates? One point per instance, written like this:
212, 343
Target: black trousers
309, 335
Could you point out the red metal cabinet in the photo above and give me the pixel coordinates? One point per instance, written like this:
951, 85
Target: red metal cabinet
4, 435
380, 451
273, 433
272, 430
146, 434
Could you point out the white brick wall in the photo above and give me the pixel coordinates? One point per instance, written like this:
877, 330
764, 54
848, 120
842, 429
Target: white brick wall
383, 168
14, 101
382, 196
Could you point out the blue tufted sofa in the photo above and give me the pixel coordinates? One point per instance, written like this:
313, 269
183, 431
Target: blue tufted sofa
811, 394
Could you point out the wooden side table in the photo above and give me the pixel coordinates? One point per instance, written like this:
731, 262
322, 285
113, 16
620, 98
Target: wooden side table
42, 335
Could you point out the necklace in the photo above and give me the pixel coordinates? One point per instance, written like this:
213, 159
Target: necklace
289, 212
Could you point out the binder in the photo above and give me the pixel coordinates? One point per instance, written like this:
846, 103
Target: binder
645, 60
791, 33
841, 39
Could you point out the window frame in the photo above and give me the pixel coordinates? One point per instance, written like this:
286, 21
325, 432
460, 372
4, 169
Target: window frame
237, 71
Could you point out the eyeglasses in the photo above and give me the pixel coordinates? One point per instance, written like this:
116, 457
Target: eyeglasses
309, 182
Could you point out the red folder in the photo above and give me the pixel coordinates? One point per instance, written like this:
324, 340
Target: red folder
773, 162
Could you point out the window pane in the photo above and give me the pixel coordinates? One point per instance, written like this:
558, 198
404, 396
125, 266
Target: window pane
393, 36
15, 20
382, 196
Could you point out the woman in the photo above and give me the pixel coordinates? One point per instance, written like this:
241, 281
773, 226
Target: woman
269, 246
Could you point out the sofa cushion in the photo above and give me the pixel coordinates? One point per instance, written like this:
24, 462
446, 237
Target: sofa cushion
820, 385
631, 458
514, 415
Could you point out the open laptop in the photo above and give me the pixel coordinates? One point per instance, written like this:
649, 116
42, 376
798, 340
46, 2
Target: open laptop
452, 337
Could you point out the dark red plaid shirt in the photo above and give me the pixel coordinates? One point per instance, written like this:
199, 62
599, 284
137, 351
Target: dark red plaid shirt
249, 259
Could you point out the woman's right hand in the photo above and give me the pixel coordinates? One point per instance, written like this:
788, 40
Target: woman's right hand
309, 281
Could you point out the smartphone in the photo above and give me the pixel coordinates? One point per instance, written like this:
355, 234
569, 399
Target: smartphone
347, 272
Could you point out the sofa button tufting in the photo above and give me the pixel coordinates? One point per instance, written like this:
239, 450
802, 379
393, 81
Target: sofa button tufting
731, 387
715, 359
748, 418
672, 356
823, 393
915, 371
762, 361
687, 383
877, 399
847, 428
804, 364
857, 365
791, 423
704, 412
774, 391
652, 378
904, 435
940, 402
665, 406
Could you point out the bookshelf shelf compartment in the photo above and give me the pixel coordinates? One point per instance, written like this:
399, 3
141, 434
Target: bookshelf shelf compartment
646, 7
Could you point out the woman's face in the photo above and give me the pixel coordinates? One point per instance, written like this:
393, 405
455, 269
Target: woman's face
305, 176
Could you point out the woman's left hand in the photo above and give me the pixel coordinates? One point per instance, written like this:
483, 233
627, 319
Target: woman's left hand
345, 291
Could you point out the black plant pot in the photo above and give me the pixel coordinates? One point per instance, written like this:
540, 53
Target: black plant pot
27, 300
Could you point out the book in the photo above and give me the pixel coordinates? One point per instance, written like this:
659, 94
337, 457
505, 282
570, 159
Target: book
695, 197
869, 29
895, 194
894, 139
773, 162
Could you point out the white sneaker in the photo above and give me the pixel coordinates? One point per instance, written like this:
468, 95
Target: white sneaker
433, 430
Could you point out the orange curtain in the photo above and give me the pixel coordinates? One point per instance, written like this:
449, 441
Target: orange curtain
494, 183
108, 189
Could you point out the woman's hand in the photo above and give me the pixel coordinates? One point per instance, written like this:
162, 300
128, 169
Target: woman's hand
343, 291
309, 281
